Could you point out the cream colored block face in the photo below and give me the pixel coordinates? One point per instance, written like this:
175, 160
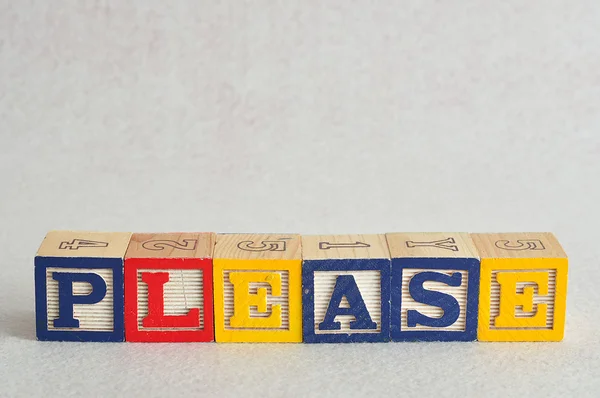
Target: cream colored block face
518, 245
171, 245
431, 245
84, 244
339, 247
257, 247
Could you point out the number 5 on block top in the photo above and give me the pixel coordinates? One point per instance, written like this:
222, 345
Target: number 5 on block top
168, 287
79, 286
257, 282
523, 290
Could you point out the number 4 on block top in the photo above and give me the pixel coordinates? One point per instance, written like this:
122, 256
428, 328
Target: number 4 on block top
168, 287
79, 286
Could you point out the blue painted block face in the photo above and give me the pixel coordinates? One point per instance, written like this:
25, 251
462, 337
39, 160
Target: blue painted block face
434, 299
345, 300
345, 288
79, 299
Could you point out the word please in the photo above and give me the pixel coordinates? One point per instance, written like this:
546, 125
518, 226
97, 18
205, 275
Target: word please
183, 287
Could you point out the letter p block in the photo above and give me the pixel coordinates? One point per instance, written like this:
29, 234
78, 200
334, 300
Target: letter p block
257, 282
168, 287
79, 286
523, 287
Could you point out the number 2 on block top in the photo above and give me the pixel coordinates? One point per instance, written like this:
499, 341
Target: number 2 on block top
168, 287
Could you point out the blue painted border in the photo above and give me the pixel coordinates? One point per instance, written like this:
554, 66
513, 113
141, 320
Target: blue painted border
116, 264
308, 299
468, 264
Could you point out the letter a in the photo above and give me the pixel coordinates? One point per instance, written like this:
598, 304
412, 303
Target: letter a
345, 286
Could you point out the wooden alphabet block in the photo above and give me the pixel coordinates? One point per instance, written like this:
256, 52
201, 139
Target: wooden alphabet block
168, 287
523, 287
257, 288
434, 288
79, 286
346, 288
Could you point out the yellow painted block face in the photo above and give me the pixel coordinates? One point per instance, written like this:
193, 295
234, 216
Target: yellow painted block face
257, 288
243, 299
511, 298
523, 287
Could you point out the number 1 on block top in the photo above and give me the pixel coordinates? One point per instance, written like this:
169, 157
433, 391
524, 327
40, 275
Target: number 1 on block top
345, 288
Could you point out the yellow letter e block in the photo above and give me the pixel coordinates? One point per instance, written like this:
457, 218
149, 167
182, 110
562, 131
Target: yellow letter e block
257, 288
523, 287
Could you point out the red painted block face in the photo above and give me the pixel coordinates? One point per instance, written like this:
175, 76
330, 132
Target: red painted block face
168, 287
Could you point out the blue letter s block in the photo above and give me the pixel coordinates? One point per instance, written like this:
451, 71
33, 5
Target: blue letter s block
434, 299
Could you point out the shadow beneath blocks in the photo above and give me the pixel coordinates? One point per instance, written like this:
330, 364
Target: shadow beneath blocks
20, 325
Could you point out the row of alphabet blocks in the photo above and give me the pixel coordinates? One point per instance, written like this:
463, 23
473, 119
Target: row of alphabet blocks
166, 287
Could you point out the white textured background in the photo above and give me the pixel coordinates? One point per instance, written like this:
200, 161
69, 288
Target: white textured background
305, 116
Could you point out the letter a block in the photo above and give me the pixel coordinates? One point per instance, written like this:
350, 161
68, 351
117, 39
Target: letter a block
346, 288
523, 287
79, 286
168, 287
257, 282
435, 287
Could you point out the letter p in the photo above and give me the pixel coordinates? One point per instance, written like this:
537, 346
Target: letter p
67, 299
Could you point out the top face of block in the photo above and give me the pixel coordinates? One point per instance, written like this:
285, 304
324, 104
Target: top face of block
518, 245
258, 247
340, 247
84, 244
431, 245
171, 245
